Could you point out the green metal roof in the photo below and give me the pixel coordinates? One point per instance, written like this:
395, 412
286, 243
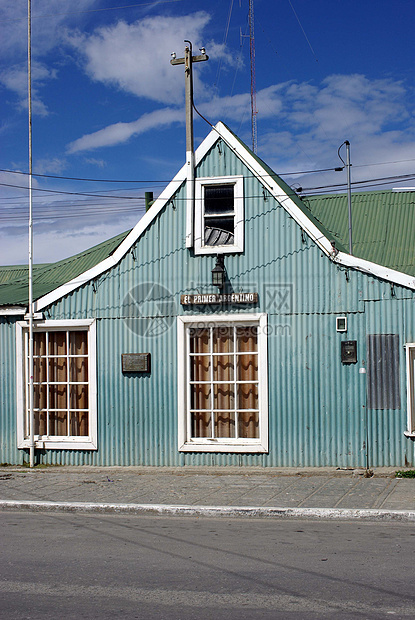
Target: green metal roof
46, 278
383, 225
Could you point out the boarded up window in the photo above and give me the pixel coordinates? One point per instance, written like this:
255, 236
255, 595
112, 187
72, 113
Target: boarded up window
383, 372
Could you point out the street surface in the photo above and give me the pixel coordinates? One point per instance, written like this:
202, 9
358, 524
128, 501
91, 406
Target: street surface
102, 566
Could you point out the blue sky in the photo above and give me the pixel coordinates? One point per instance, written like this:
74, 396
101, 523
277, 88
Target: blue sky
108, 105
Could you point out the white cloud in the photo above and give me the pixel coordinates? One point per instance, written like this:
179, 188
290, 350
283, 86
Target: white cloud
48, 19
52, 243
100, 163
16, 80
313, 120
121, 132
136, 57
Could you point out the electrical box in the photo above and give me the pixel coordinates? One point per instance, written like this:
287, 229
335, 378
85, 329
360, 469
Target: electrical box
341, 323
349, 351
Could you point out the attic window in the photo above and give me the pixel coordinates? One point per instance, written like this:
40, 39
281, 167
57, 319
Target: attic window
219, 224
219, 215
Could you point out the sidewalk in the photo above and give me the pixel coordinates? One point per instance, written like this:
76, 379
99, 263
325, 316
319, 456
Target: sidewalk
315, 493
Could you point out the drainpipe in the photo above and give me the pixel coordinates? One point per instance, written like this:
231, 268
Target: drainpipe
31, 364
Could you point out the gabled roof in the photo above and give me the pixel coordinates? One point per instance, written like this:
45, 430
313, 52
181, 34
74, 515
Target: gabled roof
383, 225
313, 215
48, 277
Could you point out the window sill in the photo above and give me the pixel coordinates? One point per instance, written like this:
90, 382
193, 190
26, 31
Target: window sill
409, 434
218, 446
217, 249
60, 444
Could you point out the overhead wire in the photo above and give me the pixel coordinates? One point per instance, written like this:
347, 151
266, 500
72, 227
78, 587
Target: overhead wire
109, 8
162, 181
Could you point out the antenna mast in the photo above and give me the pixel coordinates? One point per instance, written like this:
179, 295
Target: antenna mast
254, 111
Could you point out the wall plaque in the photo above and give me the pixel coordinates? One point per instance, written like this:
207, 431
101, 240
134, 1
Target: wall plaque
212, 299
136, 362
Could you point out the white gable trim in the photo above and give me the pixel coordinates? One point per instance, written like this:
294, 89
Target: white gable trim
132, 237
220, 131
391, 275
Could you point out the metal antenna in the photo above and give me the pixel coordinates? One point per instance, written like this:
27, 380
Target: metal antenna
254, 111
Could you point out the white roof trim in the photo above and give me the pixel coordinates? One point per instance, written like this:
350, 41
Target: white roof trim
132, 237
221, 131
12, 310
391, 275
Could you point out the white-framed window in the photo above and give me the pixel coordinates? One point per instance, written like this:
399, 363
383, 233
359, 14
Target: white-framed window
410, 387
219, 215
223, 383
64, 381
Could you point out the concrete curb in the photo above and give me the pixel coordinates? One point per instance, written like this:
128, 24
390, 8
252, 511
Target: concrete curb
344, 514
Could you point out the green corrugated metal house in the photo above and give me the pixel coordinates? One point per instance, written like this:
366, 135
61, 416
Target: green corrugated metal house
302, 356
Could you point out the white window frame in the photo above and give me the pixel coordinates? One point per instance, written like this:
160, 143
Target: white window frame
410, 388
185, 442
238, 199
57, 442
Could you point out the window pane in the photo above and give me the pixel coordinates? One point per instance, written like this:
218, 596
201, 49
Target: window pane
39, 369
200, 396
78, 343
219, 230
78, 369
79, 423
248, 396
57, 397
218, 199
225, 424
40, 423
223, 396
222, 339
39, 343
223, 367
78, 397
58, 423
58, 369
199, 341
201, 424
248, 424
57, 343
247, 367
39, 401
247, 338
200, 368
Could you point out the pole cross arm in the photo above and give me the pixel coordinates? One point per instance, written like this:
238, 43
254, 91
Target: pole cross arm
181, 61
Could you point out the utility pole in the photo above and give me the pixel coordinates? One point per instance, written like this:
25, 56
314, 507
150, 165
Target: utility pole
188, 61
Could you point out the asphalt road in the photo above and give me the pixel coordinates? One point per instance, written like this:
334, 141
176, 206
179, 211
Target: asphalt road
101, 566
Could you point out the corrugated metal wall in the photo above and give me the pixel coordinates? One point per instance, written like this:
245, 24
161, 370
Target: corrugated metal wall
317, 405
8, 440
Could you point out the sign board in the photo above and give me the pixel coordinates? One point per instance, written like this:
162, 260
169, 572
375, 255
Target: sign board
136, 362
214, 299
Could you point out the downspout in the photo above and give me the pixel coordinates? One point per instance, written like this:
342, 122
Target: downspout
31, 364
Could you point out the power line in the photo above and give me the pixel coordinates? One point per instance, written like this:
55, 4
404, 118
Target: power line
149, 181
55, 191
110, 8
